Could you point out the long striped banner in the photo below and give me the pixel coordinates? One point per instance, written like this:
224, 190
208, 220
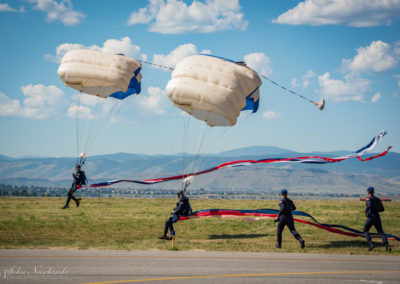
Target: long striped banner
259, 214
307, 159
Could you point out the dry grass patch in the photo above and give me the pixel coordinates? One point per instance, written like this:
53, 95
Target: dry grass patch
136, 224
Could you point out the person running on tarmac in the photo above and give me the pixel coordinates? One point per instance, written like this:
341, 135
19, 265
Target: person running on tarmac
182, 208
373, 207
79, 179
285, 218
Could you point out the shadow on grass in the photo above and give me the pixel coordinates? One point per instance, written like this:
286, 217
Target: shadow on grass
342, 244
239, 236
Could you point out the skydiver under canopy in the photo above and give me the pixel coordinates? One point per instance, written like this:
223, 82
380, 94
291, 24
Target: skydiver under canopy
182, 208
284, 218
79, 179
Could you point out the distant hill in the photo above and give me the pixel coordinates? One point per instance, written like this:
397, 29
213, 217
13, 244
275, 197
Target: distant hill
255, 150
346, 176
2, 157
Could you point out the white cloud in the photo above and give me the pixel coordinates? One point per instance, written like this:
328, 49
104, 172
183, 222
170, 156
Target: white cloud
306, 78
9, 107
62, 11
155, 101
376, 98
295, 83
4, 7
179, 53
353, 88
377, 57
41, 102
124, 45
113, 46
355, 13
81, 112
305, 82
259, 62
309, 74
270, 114
176, 17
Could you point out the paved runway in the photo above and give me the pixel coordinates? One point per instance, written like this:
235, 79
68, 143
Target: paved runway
110, 266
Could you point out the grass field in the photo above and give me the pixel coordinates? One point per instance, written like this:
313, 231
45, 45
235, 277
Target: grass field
136, 223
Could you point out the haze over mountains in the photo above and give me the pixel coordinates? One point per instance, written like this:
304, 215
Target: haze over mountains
351, 176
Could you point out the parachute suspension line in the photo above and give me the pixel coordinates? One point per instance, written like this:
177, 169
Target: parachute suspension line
81, 126
77, 131
91, 127
320, 104
225, 132
115, 109
180, 123
186, 124
93, 138
199, 148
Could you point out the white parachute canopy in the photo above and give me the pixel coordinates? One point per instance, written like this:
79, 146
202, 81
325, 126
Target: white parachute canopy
100, 74
214, 89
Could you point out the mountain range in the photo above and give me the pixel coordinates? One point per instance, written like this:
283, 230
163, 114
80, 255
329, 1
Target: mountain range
345, 177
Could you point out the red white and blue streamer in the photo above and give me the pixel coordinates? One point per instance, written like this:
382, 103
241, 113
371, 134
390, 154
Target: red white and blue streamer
260, 214
306, 159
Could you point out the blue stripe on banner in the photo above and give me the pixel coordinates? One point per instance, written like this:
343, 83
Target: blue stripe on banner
307, 160
376, 138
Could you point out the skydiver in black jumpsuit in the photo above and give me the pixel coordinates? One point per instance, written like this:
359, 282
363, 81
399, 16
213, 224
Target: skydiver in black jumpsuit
79, 179
284, 218
182, 208
373, 207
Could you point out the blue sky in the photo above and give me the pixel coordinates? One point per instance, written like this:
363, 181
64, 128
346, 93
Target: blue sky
345, 51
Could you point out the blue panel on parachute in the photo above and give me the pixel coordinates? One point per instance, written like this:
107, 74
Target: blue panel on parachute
250, 103
133, 88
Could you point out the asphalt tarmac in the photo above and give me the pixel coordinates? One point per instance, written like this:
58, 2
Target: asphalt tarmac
112, 266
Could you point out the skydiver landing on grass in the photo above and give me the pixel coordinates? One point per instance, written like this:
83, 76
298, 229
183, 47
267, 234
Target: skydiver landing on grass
79, 179
284, 218
182, 208
373, 207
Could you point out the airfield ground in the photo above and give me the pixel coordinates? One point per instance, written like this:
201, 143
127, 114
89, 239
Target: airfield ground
135, 224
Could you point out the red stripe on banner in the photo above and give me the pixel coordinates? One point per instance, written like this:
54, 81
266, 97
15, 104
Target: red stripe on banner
376, 156
229, 213
233, 163
382, 199
332, 230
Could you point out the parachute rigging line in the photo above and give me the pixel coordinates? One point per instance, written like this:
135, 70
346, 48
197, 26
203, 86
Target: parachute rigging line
156, 65
306, 159
259, 214
320, 104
